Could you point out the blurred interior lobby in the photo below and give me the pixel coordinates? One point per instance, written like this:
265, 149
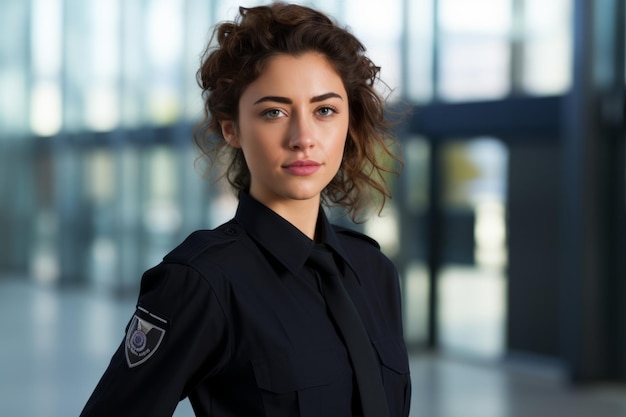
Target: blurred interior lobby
507, 224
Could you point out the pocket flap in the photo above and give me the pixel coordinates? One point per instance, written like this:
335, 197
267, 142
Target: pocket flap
392, 354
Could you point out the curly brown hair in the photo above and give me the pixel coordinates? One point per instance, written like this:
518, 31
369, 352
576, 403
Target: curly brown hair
246, 44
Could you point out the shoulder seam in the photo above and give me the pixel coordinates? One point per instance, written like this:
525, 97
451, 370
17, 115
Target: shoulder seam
358, 235
198, 241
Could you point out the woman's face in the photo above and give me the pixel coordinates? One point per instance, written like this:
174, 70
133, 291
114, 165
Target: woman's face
292, 128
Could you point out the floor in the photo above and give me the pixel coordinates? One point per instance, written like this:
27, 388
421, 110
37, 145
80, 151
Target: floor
55, 344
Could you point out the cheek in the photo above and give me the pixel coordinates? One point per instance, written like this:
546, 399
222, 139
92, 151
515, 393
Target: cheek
341, 148
345, 147
342, 141
260, 155
338, 151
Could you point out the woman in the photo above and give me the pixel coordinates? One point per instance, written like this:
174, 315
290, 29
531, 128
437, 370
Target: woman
246, 320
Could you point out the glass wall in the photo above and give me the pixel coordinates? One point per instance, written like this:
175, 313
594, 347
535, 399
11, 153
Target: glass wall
474, 49
487, 49
472, 293
15, 68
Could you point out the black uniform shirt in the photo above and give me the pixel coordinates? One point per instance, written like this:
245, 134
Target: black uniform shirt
234, 320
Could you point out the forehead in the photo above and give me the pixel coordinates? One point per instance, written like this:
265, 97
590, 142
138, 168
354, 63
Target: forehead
308, 72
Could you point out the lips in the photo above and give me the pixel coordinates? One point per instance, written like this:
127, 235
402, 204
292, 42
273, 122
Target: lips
302, 168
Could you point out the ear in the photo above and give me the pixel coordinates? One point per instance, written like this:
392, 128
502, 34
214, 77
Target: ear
229, 131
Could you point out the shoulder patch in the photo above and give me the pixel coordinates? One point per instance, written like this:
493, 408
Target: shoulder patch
349, 232
200, 240
143, 337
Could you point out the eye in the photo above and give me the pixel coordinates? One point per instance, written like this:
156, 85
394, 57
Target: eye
326, 111
272, 113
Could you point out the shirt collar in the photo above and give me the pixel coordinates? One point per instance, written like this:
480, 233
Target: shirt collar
283, 240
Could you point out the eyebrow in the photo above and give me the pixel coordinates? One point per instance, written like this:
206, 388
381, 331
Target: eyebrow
286, 100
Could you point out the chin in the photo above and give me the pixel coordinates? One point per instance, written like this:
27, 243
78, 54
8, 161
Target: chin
303, 195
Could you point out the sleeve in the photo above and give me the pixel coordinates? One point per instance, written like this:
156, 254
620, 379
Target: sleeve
177, 337
386, 302
398, 350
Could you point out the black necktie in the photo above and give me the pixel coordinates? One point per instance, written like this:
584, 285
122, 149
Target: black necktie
364, 361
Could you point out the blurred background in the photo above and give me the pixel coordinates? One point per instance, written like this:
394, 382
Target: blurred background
508, 224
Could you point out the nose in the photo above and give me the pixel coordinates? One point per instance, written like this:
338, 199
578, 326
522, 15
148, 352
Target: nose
300, 133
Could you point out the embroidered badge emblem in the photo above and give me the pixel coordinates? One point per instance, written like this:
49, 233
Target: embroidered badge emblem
142, 340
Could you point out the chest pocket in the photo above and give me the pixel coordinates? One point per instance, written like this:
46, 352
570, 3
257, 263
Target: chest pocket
396, 375
310, 384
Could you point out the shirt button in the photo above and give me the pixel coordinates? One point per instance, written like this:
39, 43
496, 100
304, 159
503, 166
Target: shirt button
231, 231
